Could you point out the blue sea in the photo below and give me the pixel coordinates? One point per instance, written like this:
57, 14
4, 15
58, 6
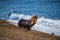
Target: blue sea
48, 12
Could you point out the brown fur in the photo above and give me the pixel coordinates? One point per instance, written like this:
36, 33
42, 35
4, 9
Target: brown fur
27, 23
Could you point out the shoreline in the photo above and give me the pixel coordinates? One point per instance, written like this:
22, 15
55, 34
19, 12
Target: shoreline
11, 32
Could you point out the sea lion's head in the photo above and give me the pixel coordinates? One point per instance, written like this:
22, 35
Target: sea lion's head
33, 19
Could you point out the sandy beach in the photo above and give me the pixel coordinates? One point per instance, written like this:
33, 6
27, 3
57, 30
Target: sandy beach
9, 31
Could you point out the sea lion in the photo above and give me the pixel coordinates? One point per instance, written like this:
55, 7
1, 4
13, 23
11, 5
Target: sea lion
27, 23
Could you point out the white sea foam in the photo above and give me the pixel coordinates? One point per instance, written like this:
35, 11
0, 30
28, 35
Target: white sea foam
42, 24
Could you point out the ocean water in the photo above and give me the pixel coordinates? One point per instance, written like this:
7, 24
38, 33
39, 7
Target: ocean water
48, 12
46, 8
